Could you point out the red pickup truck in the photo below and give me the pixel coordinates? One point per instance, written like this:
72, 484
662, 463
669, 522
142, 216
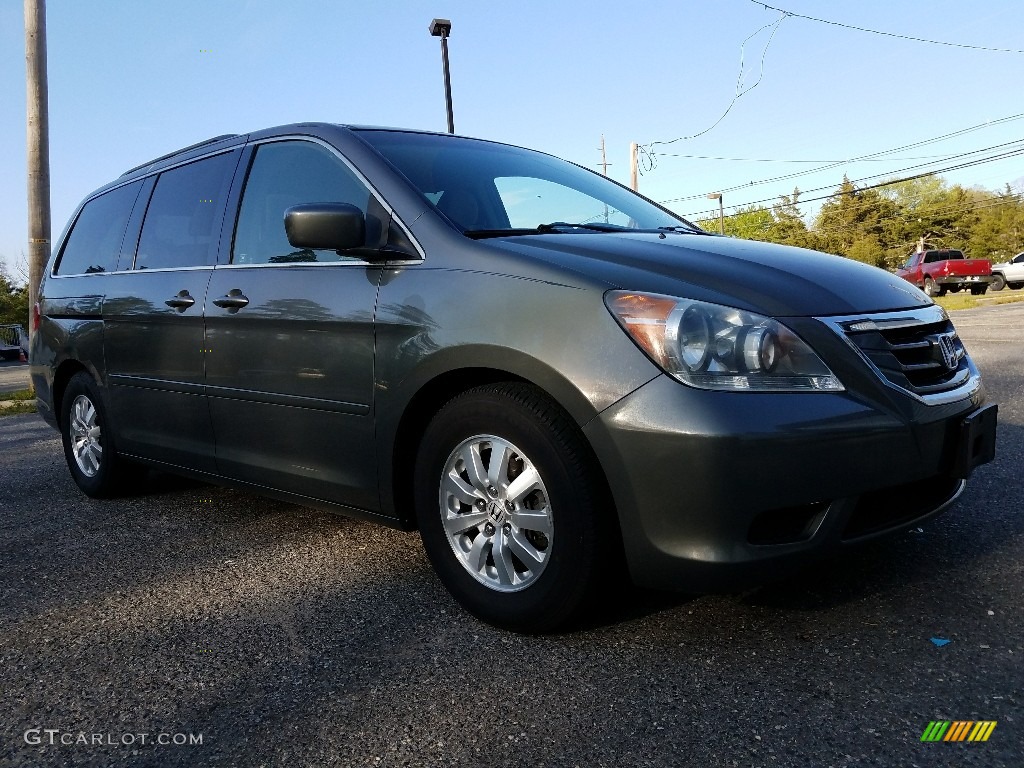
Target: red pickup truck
939, 270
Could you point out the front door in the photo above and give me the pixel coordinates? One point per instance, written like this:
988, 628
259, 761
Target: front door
290, 342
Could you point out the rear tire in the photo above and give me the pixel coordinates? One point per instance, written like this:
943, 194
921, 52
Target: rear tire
933, 289
509, 507
978, 290
998, 281
88, 447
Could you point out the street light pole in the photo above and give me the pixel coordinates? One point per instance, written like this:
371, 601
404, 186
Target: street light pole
721, 210
442, 28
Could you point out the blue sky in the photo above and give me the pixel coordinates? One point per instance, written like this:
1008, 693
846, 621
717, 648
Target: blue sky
132, 80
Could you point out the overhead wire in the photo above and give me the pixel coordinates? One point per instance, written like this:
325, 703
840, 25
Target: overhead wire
780, 160
886, 34
797, 174
890, 182
650, 158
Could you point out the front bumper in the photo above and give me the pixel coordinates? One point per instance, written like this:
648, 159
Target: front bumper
717, 490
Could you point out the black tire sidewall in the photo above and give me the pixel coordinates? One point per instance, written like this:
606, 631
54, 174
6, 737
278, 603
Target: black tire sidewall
560, 590
103, 482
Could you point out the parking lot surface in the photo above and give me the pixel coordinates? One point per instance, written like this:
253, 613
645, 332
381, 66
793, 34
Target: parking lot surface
13, 376
276, 635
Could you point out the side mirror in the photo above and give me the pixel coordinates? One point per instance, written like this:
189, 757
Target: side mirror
334, 226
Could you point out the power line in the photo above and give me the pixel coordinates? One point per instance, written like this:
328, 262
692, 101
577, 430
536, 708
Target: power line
785, 13
889, 183
650, 157
864, 178
797, 174
780, 160
872, 155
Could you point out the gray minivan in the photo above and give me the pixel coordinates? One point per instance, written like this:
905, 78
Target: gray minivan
556, 380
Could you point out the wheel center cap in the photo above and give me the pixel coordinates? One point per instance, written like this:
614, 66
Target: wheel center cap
495, 512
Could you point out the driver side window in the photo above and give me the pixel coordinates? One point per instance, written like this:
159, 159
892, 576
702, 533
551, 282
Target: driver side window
283, 174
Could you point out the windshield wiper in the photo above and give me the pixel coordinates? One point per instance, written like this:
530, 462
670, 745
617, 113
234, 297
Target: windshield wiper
565, 227
558, 226
690, 229
544, 229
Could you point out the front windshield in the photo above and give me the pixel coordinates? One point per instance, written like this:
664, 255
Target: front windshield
491, 188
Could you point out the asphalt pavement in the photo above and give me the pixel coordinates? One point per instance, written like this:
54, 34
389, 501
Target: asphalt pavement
13, 376
259, 633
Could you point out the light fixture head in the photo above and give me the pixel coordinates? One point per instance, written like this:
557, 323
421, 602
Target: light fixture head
440, 27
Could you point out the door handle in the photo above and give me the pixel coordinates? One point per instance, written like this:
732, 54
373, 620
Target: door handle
181, 302
233, 301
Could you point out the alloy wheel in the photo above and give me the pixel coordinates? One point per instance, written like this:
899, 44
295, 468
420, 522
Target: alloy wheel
495, 511
86, 437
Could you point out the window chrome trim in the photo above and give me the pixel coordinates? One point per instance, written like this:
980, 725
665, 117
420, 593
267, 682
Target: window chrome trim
308, 264
355, 172
906, 319
132, 272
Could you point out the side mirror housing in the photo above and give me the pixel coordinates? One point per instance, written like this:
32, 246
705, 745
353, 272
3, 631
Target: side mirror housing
333, 226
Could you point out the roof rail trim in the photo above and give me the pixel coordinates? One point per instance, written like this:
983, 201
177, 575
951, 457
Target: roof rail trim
189, 148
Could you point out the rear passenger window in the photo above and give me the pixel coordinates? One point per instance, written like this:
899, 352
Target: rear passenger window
284, 174
95, 241
182, 224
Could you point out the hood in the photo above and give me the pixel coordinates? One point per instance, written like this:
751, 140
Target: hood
769, 279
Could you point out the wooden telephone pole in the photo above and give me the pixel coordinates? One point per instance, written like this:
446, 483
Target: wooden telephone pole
604, 170
634, 167
38, 146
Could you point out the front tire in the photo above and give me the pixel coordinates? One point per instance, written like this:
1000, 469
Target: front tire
509, 510
88, 447
998, 282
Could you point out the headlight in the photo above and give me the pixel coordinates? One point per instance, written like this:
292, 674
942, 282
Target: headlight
715, 347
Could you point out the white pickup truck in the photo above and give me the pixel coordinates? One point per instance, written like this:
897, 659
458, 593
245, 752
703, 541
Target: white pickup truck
13, 342
1009, 273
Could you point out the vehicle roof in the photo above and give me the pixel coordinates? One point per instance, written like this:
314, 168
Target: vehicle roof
228, 139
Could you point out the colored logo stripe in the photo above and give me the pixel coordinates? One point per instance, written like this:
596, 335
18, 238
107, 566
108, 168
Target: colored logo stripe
935, 730
982, 731
958, 730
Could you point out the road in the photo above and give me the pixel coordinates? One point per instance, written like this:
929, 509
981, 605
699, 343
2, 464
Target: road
284, 636
13, 376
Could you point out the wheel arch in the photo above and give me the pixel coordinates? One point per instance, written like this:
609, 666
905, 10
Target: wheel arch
403, 444
64, 373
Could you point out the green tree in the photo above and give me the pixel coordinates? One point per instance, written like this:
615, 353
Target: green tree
855, 216
752, 223
13, 299
789, 227
998, 233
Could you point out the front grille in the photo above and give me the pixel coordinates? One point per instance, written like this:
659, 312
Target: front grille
921, 357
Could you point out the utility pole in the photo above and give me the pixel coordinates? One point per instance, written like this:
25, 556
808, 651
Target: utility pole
604, 170
38, 150
721, 210
634, 167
